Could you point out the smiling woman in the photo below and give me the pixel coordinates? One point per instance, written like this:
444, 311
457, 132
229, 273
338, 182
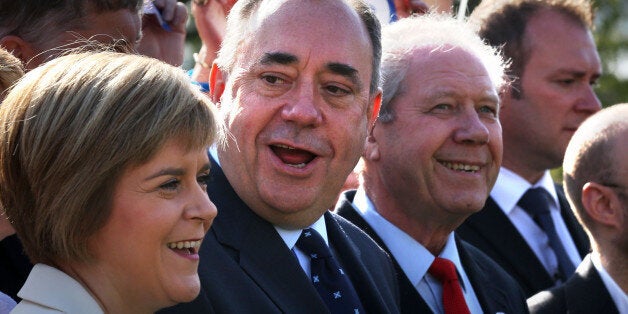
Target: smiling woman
102, 172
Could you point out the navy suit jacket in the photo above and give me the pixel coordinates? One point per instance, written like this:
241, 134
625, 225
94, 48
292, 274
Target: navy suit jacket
583, 293
246, 267
491, 231
495, 289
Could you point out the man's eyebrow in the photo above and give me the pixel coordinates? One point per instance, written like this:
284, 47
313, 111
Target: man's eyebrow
278, 58
347, 71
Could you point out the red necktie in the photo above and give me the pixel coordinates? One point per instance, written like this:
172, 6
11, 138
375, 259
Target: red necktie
453, 299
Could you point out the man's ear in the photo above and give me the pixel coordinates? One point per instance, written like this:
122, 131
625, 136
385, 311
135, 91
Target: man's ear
18, 47
602, 204
374, 112
216, 84
371, 146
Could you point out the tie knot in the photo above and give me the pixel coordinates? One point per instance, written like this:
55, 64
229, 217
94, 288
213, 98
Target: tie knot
535, 201
313, 244
443, 269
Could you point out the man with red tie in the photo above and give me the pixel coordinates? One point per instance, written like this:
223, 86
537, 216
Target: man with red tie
430, 161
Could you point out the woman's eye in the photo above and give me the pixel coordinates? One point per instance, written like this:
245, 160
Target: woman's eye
171, 185
202, 180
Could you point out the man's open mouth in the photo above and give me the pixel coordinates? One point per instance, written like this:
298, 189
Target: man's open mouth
292, 156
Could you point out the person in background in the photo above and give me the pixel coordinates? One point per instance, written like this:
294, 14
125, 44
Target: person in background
526, 225
11, 70
210, 18
36, 31
102, 174
297, 96
430, 161
595, 176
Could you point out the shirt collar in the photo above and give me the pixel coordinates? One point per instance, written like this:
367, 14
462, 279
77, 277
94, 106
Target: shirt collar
510, 187
290, 237
413, 258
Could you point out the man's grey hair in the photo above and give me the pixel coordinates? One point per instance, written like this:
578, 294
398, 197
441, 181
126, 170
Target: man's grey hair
436, 32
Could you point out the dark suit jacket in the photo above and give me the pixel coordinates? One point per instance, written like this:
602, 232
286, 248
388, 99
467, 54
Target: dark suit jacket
245, 266
495, 289
583, 293
491, 231
14, 266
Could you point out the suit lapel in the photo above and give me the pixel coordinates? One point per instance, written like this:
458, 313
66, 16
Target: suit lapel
491, 297
585, 291
261, 252
516, 257
410, 299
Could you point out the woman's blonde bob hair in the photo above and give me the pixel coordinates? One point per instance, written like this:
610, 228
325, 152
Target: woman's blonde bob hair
72, 126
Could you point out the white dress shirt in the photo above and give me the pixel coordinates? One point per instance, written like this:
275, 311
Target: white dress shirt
415, 259
617, 294
49, 290
507, 191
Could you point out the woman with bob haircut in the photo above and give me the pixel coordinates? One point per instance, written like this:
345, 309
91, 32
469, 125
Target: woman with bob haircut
103, 162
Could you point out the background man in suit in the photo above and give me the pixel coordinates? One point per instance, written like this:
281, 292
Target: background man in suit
430, 161
554, 67
37, 31
296, 81
595, 174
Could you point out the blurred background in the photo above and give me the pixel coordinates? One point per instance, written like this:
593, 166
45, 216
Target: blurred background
611, 34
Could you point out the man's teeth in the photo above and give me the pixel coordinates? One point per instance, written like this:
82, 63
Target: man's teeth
185, 244
461, 167
301, 165
285, 146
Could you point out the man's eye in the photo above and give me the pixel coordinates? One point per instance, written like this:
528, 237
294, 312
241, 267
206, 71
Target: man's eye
566, 82
488, 109
272, 79
333, 89
442, 107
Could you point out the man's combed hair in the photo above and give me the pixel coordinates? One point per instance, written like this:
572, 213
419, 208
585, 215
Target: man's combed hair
72, 126
38, 20
502, 23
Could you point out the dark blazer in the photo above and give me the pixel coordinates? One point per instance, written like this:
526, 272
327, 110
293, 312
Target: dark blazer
495, 289
583, 293
491, 231
245, 266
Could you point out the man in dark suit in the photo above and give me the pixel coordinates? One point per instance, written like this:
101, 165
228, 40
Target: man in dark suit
554, 66
296, 82
430, 161
594, 174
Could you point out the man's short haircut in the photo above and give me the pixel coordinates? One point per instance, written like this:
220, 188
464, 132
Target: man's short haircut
69, 130
243, 15
11, 69
502, 23
433, 32
591, 157
36, 21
